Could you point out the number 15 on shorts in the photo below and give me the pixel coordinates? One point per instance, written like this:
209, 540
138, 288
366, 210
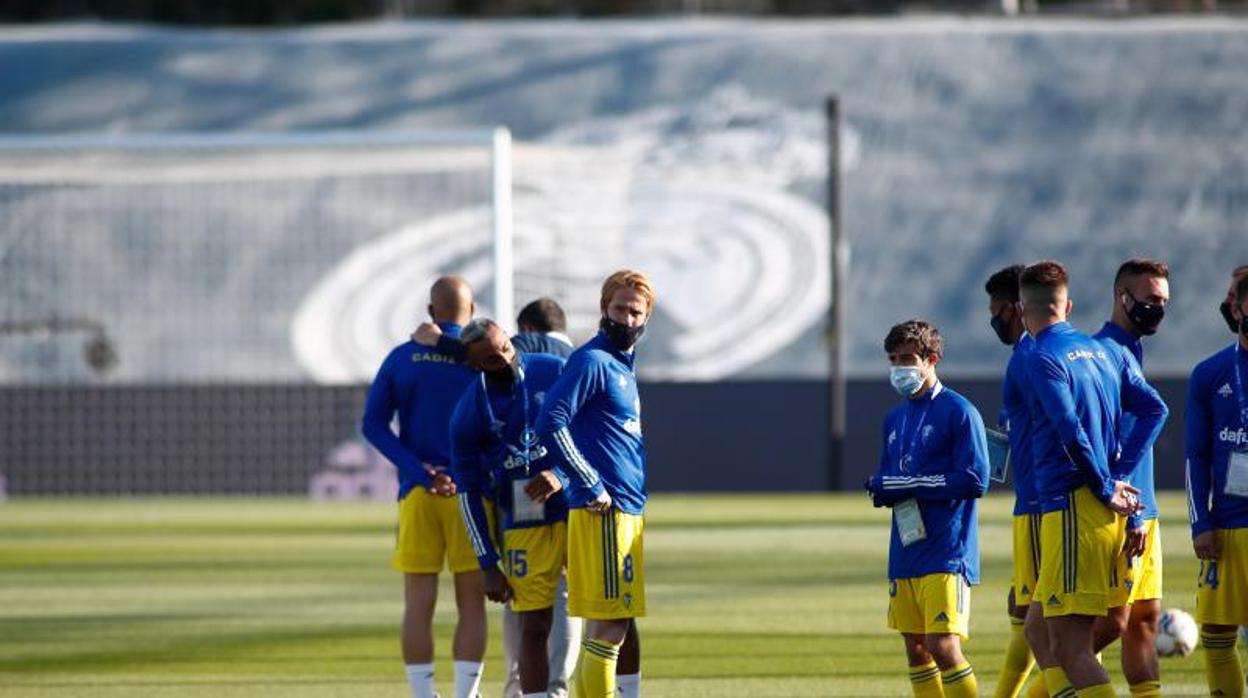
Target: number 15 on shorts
517, 565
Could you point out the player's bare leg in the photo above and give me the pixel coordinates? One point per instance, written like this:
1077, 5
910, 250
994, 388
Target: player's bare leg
956, 676
420, 596
1037, 633
924, 674
534, 657
1139, 648
470, 632
628, 669
1108, 628
1070, 639
600, 652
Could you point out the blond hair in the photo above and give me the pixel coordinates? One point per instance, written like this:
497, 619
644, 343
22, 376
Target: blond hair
627, 278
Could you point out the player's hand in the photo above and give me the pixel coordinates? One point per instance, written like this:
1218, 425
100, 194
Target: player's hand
496, 587
427, 334
1134, 545
543, 486
1207, 546
441, 483
1125, 500
601, 505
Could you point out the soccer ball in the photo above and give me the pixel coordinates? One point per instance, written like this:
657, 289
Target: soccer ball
1177, 633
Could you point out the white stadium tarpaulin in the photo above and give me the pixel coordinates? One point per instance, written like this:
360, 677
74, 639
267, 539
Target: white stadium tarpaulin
692, 149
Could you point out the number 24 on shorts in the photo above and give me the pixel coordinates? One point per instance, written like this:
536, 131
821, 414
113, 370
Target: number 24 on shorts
1208, 576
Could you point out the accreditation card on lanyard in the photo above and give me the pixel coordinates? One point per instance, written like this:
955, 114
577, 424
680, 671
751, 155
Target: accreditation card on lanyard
1237, 462
906, 514
523, 508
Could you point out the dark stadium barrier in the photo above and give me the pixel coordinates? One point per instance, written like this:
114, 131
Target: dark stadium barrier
303, 439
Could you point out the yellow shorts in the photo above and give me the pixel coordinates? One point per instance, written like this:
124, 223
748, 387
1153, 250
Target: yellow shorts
606, 565
1222, 587
1026, 557
534, 559
934, 604
1143, 574
431, 533
1079, 551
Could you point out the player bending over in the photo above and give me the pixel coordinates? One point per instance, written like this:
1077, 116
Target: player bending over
495, 446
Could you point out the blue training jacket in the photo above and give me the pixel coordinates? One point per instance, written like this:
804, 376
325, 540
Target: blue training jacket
491, 433
1142, 477
591, 423
1015, 408
422, 385
542, 343
935, 450
1079, 390
1215, 428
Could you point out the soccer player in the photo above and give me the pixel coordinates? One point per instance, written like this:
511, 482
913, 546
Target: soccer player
494, 444
1141, 292
1007, 324
543, 328
423, 385
933, 466
1217, 499
1078, 391
542, 324
591, 421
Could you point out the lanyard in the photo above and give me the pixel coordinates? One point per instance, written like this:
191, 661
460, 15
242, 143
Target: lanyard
527, 437
914, 438
1239, 388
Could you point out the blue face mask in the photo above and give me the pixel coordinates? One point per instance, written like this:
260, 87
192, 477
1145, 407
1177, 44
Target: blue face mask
906, 380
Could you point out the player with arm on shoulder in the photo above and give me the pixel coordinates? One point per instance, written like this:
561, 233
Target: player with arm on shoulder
591, 423
1217, 499
1007, 325
422, 386
1141, 292
493, 440
542, 325
933, 468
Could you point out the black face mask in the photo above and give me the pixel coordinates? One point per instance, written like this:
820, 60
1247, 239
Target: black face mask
1001, 327
1145, 316
505, 377
1231, 323
621, 335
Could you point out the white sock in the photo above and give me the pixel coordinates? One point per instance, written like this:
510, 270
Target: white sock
628, 685
420, 679
543, 694
467, 679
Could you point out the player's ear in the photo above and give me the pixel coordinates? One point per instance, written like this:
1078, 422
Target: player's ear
1070, 306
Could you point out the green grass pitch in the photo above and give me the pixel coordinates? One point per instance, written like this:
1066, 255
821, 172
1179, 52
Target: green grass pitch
748, 596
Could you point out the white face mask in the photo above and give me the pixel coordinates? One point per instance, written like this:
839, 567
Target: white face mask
907, 380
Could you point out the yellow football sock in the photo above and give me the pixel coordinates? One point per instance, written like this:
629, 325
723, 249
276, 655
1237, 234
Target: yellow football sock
1146, 689
1101, 690
1018, 663
1037, 689
925, 680
595, 670
959, 681
1059, 686
1222, 668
